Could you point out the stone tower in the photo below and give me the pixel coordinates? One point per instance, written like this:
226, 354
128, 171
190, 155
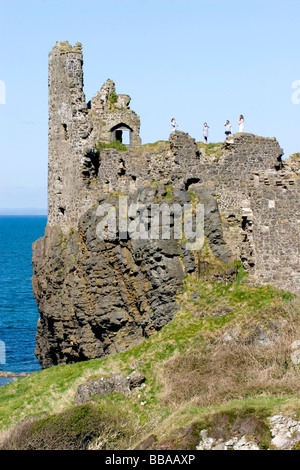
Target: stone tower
69, 128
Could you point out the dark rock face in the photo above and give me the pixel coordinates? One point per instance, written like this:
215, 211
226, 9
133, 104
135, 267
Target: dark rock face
97, 297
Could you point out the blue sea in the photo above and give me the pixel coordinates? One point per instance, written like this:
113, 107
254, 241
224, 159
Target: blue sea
18, 309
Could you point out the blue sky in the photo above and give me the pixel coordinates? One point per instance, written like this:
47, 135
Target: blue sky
193, 60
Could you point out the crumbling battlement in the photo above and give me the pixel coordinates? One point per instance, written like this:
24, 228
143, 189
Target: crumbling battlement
111, 116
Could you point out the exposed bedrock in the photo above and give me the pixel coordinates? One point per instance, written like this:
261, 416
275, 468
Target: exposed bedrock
96, 296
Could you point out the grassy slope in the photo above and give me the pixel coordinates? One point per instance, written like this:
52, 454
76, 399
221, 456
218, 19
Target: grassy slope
175, 361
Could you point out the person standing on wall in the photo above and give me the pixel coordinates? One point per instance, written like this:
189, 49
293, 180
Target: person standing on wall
174, 125
241, 123
205, 132
228, 128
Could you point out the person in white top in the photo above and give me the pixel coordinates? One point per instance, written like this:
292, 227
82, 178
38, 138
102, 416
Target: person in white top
228, 128
174, 125
205, 132
241, 123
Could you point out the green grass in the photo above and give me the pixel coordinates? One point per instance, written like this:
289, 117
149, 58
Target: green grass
114, 144
156, 145
212, 149
153, 148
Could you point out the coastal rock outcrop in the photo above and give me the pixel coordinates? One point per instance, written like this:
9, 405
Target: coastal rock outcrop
96, 296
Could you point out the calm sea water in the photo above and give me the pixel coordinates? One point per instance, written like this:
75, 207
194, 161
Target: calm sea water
18, 309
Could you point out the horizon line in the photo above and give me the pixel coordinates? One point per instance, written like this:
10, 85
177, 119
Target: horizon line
23, 211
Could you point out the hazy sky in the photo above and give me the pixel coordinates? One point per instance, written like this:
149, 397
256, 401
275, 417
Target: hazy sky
193, 60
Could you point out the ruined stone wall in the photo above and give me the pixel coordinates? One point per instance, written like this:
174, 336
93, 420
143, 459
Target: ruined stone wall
258, 199
104, 122
229, 178
276, 228
108, 110
173, 164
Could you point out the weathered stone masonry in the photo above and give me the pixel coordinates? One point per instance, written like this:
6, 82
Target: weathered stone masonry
96, 297
74, 130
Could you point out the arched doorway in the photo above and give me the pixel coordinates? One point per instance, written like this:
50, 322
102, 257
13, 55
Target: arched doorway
122, 133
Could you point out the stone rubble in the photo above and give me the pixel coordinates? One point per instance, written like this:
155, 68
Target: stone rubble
234, 443
284, 429
106, 386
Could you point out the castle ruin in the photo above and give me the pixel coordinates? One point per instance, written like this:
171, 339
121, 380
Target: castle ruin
75, 127
95, 297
